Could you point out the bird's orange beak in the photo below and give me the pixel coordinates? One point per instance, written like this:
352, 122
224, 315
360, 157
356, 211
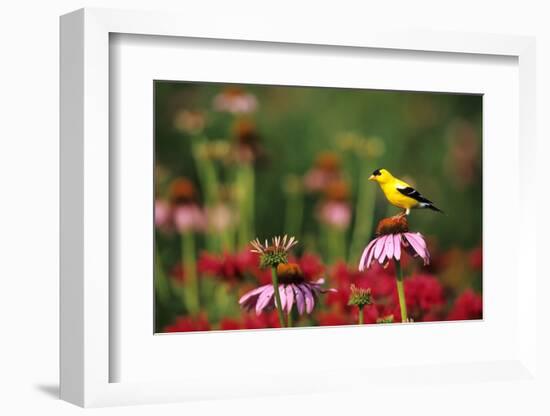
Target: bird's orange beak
372, 178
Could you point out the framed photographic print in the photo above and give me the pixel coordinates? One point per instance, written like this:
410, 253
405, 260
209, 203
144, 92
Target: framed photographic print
315, 205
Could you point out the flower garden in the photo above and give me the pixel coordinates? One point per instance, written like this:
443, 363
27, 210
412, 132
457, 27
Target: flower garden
265, 217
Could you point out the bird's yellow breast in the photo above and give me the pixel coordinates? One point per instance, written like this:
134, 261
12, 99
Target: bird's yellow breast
397, 198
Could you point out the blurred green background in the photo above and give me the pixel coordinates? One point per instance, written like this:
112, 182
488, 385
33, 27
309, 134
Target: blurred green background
426, 137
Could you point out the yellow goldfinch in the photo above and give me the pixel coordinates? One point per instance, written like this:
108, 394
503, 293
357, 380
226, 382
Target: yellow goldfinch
400, 193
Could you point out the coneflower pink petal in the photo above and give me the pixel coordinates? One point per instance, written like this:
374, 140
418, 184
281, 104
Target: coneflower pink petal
300, 301
310, 302
264, 299
253, 292
420, 241
370, 255
289, 298
385, 252
362, 265
380, 243
411, 238
397, 246
389, 247
382, 256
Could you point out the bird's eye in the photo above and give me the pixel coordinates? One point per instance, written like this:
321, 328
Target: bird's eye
377, 172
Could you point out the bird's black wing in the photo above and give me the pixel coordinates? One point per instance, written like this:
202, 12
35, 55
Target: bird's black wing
414, 194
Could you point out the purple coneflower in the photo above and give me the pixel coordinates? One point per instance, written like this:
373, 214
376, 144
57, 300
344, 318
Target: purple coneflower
393, 237
274, 255
162, 214
294, 288
337, 214
325, 170
189, 217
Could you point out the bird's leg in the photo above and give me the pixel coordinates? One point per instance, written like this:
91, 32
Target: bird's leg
404, 213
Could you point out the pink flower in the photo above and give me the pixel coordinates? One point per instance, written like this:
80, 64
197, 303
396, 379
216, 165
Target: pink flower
220, 217
326, 170
316, 179
189, 217
390, 246
162, 214
235, 100
293, 289
303, 295
336, 214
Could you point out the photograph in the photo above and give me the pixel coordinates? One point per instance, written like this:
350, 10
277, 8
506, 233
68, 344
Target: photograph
293, 206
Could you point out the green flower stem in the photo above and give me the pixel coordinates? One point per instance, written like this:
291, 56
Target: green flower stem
289, 319
162, 285
278, 303
208, 178
191, 289
336, 243
401, 291
245, 187
364, 213
227, 237
206, 172
251, 183
361, 315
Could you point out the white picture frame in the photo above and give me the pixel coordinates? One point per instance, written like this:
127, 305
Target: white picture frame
86, 355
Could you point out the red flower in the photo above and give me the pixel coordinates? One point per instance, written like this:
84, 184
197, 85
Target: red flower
332, 318
264, 320
188, 324
476, 258
424, 297
424, 292
380, 280
232, 267
209, 264
249, 263
229, 324
310, 265
178, 273
468, 305
370, 314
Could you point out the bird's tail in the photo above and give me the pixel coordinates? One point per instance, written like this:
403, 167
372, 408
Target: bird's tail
434, 208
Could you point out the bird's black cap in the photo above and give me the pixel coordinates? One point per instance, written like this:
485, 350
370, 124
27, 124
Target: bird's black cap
377, 172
